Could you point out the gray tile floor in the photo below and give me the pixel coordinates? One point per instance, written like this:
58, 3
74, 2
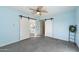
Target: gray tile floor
40, 44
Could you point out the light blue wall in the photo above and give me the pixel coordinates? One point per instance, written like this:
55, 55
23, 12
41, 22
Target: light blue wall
61, 24
9, 25
77, 22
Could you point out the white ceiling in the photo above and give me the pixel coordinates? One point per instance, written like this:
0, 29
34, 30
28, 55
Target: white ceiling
52, 10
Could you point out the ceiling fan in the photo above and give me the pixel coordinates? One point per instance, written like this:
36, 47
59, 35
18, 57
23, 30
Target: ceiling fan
39, 10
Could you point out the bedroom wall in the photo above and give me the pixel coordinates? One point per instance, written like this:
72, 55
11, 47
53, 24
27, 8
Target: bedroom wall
77, 23
9, 25
61, 24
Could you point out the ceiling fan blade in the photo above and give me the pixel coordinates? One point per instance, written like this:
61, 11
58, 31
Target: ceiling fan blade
39, 10
31, 9
44, 11
40, 14
34, 12
39, 7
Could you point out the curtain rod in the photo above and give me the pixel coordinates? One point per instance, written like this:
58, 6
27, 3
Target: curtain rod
49, 19
27, 17
34, 18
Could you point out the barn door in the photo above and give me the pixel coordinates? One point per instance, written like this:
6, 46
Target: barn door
24, 28
49, 28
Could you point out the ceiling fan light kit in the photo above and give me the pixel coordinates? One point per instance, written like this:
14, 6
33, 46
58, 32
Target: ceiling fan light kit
39, 10
38, 13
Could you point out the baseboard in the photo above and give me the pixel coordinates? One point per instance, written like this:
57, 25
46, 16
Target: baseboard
8, 44
12, 42
56, 38
77, 45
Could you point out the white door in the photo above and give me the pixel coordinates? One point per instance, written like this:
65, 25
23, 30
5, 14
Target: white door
24, 28
49, 28
32, 27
